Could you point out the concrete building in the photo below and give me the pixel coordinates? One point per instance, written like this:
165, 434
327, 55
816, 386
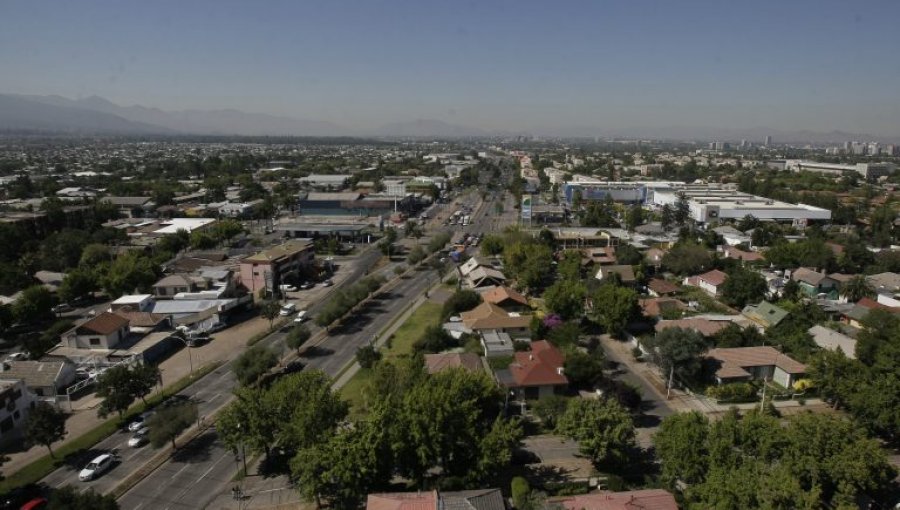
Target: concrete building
865, 170
269, 268
320, 181
16, 402
711, 204
104, 331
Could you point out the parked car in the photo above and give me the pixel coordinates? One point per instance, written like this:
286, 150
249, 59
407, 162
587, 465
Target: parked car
17, 356
292, 367
306, 285
287, 309
287, 288
140, 437
62, 308
302, 316
138, 422
34, 504
96, 467
327, 283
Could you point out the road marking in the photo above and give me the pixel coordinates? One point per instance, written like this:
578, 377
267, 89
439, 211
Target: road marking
217, 395
226, 454
179, 471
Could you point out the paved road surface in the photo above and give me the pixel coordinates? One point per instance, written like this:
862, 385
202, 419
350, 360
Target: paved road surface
194, 479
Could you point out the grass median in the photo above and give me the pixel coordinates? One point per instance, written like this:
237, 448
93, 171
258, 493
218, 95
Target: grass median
43, 466
400, 344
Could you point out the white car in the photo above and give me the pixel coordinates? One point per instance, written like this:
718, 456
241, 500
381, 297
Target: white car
287, 288
139, 421
301, 316
287, 309
139, 437
97, 467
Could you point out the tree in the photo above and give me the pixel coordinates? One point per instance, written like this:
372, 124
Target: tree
144, 377
33, 305
613, 307
634, 217
168, 423
116, 388
460, 301
297, 337
492, 245
791, 290
367, 356
681, 447
270, 310
416, 255
743, 286
45, 425
129, 272
93, 255
253, 363
549, 409
566, 297
679, 350
603, 429
682, 211
78, 283
666, 216
687, 259
584, 371
857, 288
68, 498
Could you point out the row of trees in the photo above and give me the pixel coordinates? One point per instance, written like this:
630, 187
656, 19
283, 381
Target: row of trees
345, 299
807, 461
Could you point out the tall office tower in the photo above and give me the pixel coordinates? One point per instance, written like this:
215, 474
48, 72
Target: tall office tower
768, 141
847, 147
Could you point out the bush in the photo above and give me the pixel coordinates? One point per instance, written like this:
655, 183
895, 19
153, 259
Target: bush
734, 392
519, 490
367, 356
637, 353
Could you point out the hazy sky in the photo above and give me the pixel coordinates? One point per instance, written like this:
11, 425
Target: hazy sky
518, 65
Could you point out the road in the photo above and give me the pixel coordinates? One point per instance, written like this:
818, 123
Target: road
193, 478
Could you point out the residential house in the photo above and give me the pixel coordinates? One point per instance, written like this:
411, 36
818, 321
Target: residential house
625, 273
43, 378
747, 363
833, 340
477, 499
239, 209
497, 344
173, 284
814, 283
732, 236
646, 499
132, 303
711, 282
16, 401
658, 288
600, 256
663, 306
705, 327
887, 283
104, 331
861, 309
472, 264
506, 298
132, 207
482, 277
487, 316
50, 280
535, 373
435, 363
765, 315
272, 267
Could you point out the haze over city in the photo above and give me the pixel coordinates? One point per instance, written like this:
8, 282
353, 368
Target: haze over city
575, 68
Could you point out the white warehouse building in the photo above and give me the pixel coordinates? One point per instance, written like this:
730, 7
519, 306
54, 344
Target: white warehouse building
709, 204
865, 170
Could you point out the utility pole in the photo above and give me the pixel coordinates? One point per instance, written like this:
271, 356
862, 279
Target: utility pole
763, 402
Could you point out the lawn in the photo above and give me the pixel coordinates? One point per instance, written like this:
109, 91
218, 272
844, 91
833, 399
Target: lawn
400, 345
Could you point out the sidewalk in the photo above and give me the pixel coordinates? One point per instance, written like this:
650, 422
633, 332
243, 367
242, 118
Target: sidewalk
270, 493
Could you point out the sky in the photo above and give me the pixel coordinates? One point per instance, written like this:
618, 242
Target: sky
522, 65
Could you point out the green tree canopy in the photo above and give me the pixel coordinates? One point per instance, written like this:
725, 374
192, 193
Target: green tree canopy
45, 425
679, 350
603, 429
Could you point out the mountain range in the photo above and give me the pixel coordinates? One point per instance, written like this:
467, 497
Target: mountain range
96, 115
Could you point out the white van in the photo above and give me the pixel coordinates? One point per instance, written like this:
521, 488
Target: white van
301, 316
288, 309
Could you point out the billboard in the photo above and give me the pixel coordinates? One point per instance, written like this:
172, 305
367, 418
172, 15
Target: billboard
526, 207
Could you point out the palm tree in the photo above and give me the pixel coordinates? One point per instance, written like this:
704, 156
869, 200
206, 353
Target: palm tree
857, 288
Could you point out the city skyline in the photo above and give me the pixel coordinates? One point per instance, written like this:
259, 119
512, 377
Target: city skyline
515, 67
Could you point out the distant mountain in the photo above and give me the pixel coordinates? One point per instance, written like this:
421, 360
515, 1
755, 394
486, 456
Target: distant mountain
21, 113
428, 128
206, 122
701, 133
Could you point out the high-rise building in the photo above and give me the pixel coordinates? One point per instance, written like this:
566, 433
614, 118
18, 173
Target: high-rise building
768, 141
891, 150
847, 147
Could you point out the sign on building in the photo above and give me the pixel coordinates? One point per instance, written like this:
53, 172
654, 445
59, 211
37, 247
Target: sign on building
526, 207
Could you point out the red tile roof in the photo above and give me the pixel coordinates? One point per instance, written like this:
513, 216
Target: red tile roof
436, 362
105, 323
662, 286
714, 277
403, 501
735, 358
541, 366
705, 327
498, 295
649, 499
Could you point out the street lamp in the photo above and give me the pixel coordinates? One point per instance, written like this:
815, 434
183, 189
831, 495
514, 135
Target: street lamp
190, 356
